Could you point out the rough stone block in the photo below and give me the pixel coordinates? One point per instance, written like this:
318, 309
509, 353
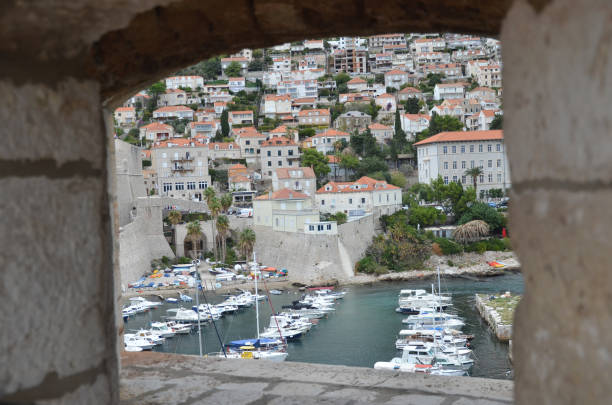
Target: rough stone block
61, 123
55, 284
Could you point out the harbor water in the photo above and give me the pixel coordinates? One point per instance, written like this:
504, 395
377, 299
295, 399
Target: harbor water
361, 331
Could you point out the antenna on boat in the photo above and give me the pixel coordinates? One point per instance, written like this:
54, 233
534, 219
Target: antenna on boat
439, 291
256, 294
197, 281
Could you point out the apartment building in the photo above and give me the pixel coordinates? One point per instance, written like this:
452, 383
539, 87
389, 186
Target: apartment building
352, 120
241, 60
156, 131
182, 168
382, 133
207, 129
325, 141
173, 97
236, 84
224, 150
489, 75
192, 82
300, 179
450, 154
125, 116
396, 78
276, 106
356, 84
409, 92
285, 210
240, 118
364, 196
298, 88
386, 102
278, 153
350, 60
414, 123
250, 142
316, 117
282, 65
450, 70
378, 41
173, 112
444, 91
423, 45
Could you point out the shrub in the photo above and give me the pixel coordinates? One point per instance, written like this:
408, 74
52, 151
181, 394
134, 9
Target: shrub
366, 265
507, 243
497, 245
339, 217
184, 260
479, 247
485, 213
448, 247
429, 235
450, 263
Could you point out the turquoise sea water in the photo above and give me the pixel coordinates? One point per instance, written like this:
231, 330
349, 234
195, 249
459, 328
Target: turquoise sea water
363, 328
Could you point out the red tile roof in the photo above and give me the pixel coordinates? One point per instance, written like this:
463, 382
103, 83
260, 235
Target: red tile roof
157, 126
376, 125
278, 141
224, 146
239, 179
396, 72
330, 132
283, 194
125, 109
284, 173
363, 184
279, 130
173, 108
462, 136
313, 112
178, 142
357, 80
409, 90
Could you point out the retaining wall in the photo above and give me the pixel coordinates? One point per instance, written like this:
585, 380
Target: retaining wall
502, 331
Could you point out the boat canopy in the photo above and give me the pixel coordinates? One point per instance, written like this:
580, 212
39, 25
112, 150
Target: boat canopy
253, 342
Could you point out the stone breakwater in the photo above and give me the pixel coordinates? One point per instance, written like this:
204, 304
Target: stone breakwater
498, 316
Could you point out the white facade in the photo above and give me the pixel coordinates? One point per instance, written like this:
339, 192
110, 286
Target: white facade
298, 88
192, 82
446, 91
275, 105
396, 78
450, 154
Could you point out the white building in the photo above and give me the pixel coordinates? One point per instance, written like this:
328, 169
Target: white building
396, 78
173, 97
364, 196
240, 118
300, 179
423, 45
204, 128
156, 131
448, 90
192, 82
450, 154
236, 84
325, 141
386, 102
125, 115
414, 123
173, 112
241, 61
298, 88
276, 106
277, 153
381, 132
282, 65
317, 117
182, 168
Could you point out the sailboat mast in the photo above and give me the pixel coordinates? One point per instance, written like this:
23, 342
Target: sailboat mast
197, 293
256, 302
439, 291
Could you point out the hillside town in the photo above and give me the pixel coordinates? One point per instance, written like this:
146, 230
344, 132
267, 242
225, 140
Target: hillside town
306, 138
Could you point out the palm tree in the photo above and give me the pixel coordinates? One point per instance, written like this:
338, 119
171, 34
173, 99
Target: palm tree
209, 194
471, 231
174, 217
226, 201
194, 233
223, 228
246, 242
215, 207
474, 172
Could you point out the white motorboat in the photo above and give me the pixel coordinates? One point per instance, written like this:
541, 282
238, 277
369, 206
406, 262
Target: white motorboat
172, 300
133, 348
179, 328
145, 303
276, 292
131, 340
162, 329
151, 336
184, 315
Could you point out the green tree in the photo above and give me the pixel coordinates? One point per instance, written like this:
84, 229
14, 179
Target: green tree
425, 216
484, 212
226, 201
211, 68
225, 128
399, 141
412, 105
304, 133
257, 53
348, 163
364, 144
246, 242
317, 161
438, 124
370, 165
233, 70
257, 65
497, 122
223, 229
194, 233
474, 173
423, 192
174, 217
379, 78
398, 179
340, 217
155, 90
341, 78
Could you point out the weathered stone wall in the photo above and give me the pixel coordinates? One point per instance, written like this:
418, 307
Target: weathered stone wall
142, 241
315, 258
129, 179
58, 338
557, 92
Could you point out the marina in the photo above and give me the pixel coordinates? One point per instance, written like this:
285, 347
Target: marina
362, 329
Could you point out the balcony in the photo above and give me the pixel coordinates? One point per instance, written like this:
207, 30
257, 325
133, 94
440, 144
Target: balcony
182, 159
182, 168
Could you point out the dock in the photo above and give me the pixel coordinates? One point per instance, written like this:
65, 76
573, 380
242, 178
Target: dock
499, 313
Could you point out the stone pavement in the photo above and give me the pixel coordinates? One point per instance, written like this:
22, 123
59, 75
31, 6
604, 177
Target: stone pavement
158, 378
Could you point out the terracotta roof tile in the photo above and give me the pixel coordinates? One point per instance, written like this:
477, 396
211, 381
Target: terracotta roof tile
283, 194
462, 136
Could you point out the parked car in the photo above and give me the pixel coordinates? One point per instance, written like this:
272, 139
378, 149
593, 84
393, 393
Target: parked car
246, 213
